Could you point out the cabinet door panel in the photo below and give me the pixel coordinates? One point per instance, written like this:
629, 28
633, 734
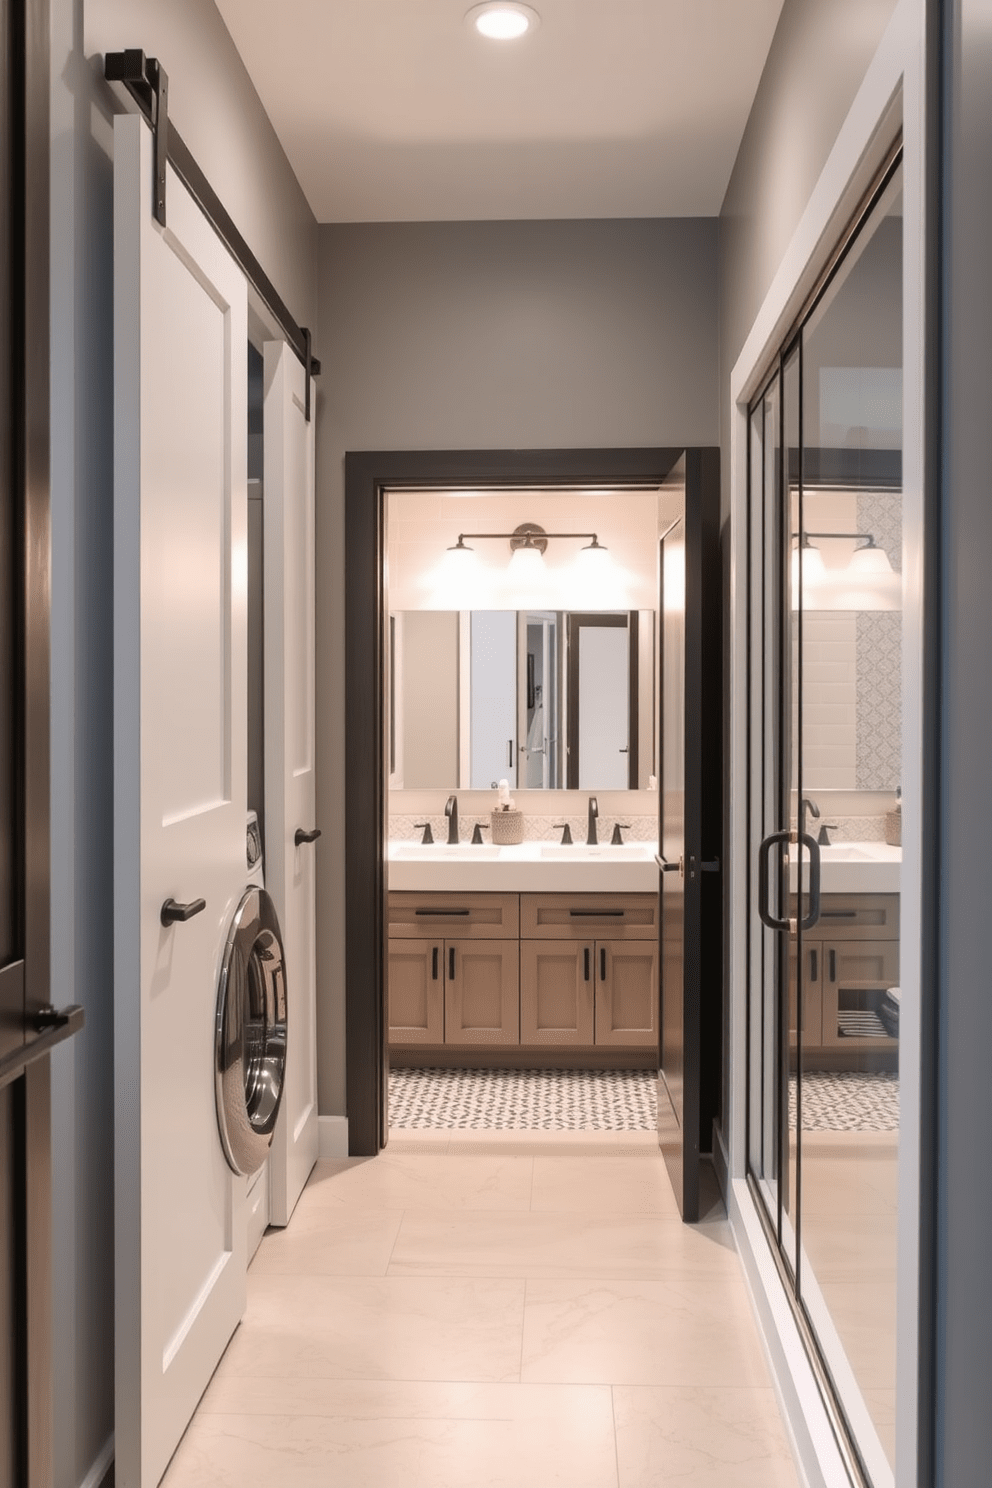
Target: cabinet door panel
557, 990
416, 992
856, 975
812, 994
482, 992
627, 994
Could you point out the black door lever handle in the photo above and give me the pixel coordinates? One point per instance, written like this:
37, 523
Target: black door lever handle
302, 836
174, 912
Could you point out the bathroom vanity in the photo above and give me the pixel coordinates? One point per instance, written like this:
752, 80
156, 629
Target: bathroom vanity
526, 978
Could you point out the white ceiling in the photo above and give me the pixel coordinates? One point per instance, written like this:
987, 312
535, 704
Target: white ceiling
396, 110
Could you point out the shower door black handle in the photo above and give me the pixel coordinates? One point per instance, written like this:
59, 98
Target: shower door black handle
764, 853
803, 839
814, 880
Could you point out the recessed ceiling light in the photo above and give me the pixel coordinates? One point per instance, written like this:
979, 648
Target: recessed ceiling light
503, 20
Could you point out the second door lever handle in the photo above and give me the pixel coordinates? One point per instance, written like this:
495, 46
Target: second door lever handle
302, 836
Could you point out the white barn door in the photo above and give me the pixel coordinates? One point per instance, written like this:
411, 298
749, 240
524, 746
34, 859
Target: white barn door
290, 803
180, 769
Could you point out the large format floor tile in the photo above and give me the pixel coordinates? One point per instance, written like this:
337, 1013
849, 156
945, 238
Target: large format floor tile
559, 1245
689, 1332
520, 1439
441, 1328
709, 1438
423, 1181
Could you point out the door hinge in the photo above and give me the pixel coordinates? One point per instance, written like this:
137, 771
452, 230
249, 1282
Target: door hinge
148, 83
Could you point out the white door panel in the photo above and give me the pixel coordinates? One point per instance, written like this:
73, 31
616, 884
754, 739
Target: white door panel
180, 794
290, 801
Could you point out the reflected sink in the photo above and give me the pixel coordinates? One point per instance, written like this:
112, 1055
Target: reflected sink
432, 852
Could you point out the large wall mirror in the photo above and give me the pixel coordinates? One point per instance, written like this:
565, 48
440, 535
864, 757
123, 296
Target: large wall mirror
546, 699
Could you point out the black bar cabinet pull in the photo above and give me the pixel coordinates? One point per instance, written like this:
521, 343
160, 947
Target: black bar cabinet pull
838, 914
509, 753
302, 836
813, 968
434, 965
602, 963
585, 962
442, 911
174, 912
596, 914
833, 966
451, 963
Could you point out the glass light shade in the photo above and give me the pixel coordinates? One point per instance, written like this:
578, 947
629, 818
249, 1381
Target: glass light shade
527, 580
814, 570
502, 22
594, 564
455, 581
870, 560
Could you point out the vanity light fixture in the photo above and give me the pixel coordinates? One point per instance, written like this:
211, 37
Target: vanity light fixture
503, 20
527, 538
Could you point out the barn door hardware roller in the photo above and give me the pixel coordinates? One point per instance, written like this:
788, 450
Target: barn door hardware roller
147, 82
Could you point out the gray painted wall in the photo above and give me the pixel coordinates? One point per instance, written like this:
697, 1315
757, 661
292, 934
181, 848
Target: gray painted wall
817, 62
488, 335
964, 1222
222, 120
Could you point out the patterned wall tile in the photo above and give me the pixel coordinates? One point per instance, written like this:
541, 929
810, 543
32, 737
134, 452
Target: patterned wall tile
879, 727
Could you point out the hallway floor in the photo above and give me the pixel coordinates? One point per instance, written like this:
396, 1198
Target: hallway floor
513, 1311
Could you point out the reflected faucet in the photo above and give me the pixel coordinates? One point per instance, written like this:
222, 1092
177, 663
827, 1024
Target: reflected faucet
451, 812
591, 837
810, 807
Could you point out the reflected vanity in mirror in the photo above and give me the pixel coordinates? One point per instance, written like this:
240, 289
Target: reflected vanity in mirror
545, 699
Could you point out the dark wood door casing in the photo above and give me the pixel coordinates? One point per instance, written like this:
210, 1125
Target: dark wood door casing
368, 476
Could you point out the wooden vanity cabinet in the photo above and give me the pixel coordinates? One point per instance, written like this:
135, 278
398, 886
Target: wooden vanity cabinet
534, 971
454, 969
589, 969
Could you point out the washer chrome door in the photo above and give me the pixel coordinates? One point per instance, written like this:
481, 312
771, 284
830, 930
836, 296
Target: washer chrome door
251, 1033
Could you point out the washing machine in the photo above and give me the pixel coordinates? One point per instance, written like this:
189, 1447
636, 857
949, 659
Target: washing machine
251, 1036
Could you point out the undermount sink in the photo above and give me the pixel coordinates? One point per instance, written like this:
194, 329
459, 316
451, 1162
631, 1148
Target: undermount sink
428, 852
528, 867
851, 868
603, 852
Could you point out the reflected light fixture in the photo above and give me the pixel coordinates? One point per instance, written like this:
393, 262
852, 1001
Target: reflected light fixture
869, 559
503, 20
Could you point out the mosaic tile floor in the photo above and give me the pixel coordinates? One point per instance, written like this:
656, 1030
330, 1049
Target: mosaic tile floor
522, 1100
846, 1101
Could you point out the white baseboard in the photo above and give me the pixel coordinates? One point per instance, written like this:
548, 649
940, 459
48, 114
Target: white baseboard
101, 1466
332, 1137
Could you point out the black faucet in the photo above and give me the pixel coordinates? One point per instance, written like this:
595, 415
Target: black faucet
566, 833
822, 837
428, 836
806, 806
591, 837
617, 839
451, 812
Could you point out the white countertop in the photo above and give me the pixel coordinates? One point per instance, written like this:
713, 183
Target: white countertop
531, 867
853, 868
